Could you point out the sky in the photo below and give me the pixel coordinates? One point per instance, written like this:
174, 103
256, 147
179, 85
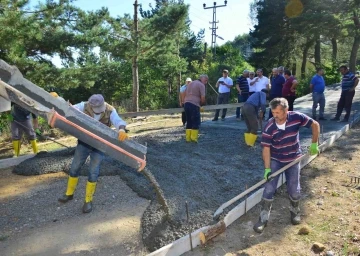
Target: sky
233, 19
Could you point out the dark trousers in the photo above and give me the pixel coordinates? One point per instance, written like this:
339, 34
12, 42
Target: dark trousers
223, 98
183, 117
241, 98
250, 116
192, 116
345, 101
290, 100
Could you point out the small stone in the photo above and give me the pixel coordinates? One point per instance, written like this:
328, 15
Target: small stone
330, 253
318, 247
320, 203
304, 230
350, 158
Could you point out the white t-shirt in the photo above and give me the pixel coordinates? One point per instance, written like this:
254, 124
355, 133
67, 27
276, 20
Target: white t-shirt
281, 126
223, 88
252, 87
261, 84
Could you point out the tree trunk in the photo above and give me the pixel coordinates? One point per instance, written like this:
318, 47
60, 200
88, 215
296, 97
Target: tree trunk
135, 67
354, 51
304, 58
293, 69
317, 52
334, 50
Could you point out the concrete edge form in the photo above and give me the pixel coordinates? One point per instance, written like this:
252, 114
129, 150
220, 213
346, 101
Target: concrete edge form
182, 245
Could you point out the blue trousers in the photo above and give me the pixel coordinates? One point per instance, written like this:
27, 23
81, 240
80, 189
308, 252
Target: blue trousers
292, 181
241, 98
192, 116
318, 98
82, 152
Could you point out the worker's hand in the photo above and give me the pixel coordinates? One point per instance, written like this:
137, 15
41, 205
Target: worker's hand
267, 173
10, 118
38, 132
314, 149
202, 109
122, 135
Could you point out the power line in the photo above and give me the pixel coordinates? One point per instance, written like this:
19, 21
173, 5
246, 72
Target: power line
214, 26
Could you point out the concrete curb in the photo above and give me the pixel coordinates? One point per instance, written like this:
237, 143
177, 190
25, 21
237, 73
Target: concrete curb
182, 245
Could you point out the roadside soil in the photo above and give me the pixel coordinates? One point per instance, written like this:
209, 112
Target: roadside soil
330, 211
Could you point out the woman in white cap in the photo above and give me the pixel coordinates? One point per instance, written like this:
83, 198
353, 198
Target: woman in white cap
97, 108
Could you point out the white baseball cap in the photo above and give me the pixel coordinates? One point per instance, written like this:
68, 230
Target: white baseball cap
188, 79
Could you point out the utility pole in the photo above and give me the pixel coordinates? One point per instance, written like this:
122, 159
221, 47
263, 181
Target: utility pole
214, 22
135, 68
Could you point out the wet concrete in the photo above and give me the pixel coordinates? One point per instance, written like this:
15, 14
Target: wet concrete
206, 174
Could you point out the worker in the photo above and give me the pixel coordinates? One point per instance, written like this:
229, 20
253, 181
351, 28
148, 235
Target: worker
280, 141
194, 98
97, 108
182, 90
20, 119
253, 108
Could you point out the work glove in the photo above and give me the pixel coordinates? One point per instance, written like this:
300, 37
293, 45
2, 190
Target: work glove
10, 118
38, 132
202, 109
314, 149
122, 135
267, 173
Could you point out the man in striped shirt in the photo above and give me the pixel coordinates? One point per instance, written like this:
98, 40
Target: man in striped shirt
280, 141
242, 86
348, 84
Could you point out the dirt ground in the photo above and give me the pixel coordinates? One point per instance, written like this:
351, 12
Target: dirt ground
330, 210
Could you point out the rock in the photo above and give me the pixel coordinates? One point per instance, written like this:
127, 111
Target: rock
305, 230
320, 203
318, 247
330, 253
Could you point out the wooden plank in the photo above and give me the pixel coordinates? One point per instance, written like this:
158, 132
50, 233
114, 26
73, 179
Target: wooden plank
177, 110
212, 232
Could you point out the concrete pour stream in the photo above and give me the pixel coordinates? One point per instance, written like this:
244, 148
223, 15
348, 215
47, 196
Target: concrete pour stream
204, 174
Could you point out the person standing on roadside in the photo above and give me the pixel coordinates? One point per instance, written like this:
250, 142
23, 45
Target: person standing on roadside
242, 86
182, 90
224, 84
348, 84
289, 89
281, 146
277, 82
251, 82
281, 71
194, 98
317, 87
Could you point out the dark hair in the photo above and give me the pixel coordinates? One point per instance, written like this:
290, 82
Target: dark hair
318, 69
287, 72
344, 67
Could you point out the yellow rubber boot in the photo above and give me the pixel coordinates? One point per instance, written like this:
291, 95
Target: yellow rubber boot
34, 146
246, 136
16, 145
194, 135
90, 190
252, 139
71, 186
188, 135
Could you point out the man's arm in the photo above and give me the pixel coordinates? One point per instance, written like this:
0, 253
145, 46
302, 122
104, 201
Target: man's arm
202, 100
311, 87
253, 82
266, 157
238, 88
355, 84
116, 121
293, 86
182, 98
202, 96
315, 127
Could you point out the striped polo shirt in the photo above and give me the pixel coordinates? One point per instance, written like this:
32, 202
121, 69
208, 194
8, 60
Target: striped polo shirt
243, 83
348, 81
284, 144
